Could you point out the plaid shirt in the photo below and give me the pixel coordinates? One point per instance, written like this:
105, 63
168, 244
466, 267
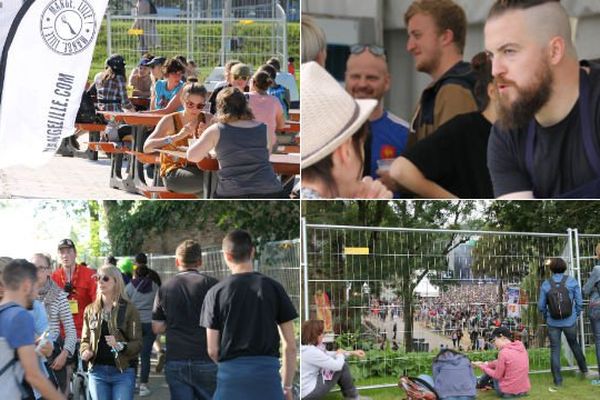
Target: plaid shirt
113, 90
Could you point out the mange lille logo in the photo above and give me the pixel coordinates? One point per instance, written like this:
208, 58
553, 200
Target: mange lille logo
68, 26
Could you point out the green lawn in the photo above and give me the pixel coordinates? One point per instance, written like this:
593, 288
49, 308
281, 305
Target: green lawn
573, 388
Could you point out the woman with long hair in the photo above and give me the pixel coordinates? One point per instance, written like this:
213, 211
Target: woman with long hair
321, 370
173, 131
111, 86
111, 338
241, 146
266, 108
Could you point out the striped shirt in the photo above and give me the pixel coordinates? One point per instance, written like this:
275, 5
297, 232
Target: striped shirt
57, 308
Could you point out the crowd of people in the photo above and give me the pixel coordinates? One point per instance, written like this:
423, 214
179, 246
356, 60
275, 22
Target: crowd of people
222, 338
500, 126
239, 123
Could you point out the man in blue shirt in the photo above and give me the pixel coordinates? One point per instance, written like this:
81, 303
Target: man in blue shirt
19, 278
567, 325
367, 77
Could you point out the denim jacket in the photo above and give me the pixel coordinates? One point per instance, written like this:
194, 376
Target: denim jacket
590, 289
574, 294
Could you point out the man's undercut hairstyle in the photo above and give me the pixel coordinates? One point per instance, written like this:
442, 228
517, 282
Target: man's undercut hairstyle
189, 253
547, 21
18, 271
502, 6
238, 243
446, 14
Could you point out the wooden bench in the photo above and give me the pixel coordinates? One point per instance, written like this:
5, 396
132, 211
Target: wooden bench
161, 192
294, 115
66, 150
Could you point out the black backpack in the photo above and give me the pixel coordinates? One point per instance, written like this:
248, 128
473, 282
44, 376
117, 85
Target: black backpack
87, 111
558, 300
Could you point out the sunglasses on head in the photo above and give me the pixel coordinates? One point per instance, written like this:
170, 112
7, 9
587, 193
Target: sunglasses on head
191, 104
373, 49
243, 77
103, 278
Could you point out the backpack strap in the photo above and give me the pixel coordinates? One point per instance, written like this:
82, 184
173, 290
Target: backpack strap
14, 359
563, 281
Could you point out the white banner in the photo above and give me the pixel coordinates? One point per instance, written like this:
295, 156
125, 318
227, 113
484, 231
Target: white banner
43, 70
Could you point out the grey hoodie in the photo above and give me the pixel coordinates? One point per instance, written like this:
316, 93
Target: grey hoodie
453, 375
589, 289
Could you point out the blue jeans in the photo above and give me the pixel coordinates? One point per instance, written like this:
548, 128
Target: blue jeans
505, 395
108, 383
571, 335
148, 338
595, 325
191, 379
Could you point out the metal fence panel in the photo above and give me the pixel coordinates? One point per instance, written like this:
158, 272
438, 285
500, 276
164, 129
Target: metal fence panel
209, 32
362, 280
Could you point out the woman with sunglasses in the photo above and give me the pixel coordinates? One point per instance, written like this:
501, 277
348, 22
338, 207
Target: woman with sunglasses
241, 146
111, 339
164, 98
173, 131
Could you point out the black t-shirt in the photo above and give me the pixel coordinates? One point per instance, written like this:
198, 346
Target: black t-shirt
247, 308
178, 303
560, 164
454, 156
105, 356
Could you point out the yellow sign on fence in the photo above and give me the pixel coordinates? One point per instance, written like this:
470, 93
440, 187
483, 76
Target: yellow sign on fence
356, 251
135, 32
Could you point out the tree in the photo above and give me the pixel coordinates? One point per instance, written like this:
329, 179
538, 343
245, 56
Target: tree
397, 257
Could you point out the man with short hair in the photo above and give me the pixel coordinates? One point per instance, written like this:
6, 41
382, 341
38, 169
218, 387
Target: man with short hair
286, 80
226, 74
545, 142
76, 280
238, 77
190, 372
368, 77
566, 323
17, 342
436, 39
244, 315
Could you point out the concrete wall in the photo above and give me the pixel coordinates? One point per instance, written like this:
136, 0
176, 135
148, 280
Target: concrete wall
389, 30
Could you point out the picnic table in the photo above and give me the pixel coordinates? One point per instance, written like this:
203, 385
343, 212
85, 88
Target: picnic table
283, 164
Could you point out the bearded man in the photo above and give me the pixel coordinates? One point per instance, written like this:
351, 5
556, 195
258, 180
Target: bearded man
545, 142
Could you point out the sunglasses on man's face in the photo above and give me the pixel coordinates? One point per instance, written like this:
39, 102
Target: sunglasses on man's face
191, 104
102, 278
373, 49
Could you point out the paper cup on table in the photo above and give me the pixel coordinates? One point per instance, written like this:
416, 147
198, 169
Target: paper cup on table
385, 164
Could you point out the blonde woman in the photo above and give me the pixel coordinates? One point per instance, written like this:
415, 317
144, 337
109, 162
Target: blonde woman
241, 146
111, 339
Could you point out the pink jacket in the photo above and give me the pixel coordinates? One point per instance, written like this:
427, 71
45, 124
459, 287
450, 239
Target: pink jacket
511, 369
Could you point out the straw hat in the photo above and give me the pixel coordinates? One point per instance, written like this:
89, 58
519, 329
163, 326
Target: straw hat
329, 114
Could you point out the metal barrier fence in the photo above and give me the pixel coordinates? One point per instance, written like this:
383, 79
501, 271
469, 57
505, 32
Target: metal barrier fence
363, 281
208, 31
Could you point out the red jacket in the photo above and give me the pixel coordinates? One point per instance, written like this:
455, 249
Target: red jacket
84, 290
511, 369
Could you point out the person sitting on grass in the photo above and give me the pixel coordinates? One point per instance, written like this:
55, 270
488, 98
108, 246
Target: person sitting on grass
321, 370
510, 372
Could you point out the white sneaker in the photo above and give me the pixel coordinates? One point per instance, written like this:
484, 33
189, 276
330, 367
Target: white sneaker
144, 391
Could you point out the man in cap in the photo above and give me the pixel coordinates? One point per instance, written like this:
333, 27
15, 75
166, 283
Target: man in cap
244, 315
76, 280
239, 77
510, 372
140, 78
190, 372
